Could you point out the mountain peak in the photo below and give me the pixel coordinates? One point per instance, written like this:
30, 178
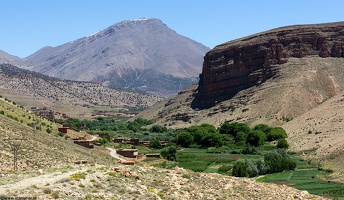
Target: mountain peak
142, 54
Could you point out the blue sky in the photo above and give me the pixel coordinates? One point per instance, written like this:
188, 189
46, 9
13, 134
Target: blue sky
28, 25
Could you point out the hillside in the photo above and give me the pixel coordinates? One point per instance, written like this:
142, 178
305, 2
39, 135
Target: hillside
76, 99
39, 150
290, 77
289, 94
143, 55
269, 77
318, 134
47, 170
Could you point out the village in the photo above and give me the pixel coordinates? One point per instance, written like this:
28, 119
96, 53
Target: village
130, 156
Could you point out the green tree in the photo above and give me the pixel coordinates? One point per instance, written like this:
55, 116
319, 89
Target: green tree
278, 161
282, 144
197, 132
239, 169
234, 128
158, 129
155, 144
185, 139
263, 127
256, 138
240, 137
250, 149
276, 133
252, 169
169, 153
212, 140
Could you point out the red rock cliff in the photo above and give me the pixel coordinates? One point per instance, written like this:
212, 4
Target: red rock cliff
249, 61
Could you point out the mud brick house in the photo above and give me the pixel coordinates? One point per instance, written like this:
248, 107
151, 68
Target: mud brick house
129, 153
63, 129
133, 141
153, 155
85, 143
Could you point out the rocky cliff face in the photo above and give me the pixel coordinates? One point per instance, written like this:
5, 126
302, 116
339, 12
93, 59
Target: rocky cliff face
250, 61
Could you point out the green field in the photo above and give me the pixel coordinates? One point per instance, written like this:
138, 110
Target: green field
305, 177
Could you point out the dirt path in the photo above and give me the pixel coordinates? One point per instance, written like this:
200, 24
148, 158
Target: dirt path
114, 154
39, 181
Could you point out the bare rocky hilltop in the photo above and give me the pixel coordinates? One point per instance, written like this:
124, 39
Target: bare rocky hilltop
143, 55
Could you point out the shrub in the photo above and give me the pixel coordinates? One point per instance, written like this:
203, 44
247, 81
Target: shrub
282, 144
158, 129
216, 150
155, 144
278, 161
262, 168
55, 195
47, 191
239, 169
48, 130
78, 176
252, 169
169, 153
250, 150
225, 168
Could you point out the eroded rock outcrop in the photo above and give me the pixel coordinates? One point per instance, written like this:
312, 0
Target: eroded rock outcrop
246, 62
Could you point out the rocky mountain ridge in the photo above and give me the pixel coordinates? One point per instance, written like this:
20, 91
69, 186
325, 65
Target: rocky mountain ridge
143, 54
6, 58
250, 61
253, 81
33, 89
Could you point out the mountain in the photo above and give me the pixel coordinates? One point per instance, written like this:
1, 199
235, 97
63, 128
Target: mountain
6, 58
75, 98
142, 54
269, 77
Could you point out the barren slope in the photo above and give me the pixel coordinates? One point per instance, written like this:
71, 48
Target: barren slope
319, 133
147, 183
298, 86
39, 149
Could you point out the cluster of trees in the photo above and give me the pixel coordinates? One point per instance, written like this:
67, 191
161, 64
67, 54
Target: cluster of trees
257, 136
207, 135
274, 161
204, 135
103, 124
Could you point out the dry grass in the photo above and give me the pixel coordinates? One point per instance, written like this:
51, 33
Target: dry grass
156, 183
